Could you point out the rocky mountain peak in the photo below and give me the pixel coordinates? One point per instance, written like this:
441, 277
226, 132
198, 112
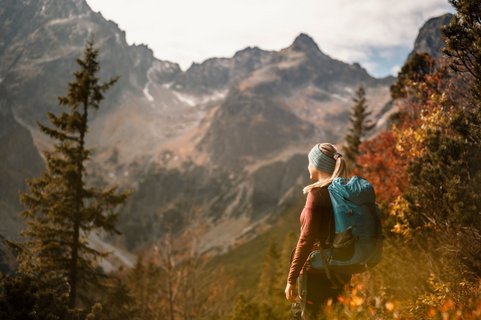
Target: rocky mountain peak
221, 73
248, 51
430, 38
305, 43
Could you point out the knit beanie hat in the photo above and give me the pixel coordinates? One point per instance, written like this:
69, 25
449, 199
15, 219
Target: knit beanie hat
321, 161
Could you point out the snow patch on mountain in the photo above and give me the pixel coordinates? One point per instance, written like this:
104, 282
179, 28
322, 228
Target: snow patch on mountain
117, 39
339, 97
349, 90
190, 100
156, 67
217, 95
146, 91
72, 17
193, 100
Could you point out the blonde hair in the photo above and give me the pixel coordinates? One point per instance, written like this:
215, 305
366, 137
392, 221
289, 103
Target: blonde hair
340, 169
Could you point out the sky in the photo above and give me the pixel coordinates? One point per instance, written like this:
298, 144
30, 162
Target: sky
378, 34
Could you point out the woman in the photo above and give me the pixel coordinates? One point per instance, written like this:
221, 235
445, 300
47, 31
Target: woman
317, 228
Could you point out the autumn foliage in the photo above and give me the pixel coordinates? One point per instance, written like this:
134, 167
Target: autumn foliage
380, 159
427, 174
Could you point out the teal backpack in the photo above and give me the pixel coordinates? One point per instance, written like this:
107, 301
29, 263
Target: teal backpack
358, 239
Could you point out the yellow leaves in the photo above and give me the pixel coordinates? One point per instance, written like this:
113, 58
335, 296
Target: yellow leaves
357, 301
435, 300
410, 140
399, 210
402, 229
399, 207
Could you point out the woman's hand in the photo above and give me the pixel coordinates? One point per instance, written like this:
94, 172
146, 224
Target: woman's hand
291, 292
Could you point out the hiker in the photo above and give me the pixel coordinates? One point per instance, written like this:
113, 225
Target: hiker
317, 229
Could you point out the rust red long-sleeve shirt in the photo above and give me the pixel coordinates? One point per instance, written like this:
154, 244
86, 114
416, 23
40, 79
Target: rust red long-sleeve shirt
316, 219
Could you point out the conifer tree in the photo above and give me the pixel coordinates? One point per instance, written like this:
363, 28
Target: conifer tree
463, 41
23, 296
61, 209
414, 70
360, 124
288, 246
245, 309
270, 273
118, 303
270, 292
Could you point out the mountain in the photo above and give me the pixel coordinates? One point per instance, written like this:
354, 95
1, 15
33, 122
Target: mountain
220, 147
280, 104
18, 159
244, 160
430, 38
43, 39
219, 74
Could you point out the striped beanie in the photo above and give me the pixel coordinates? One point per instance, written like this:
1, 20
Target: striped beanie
321, 161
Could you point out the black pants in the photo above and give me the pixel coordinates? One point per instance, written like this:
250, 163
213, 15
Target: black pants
319, 289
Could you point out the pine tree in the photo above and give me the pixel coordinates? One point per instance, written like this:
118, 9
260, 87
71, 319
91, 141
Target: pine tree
414, 70
270, 292
463, 45
61, 209
117, 304
288, 246
463, 41
270, 273
360, 124
245, 309
23, 296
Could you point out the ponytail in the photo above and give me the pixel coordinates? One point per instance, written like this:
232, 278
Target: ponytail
340, 168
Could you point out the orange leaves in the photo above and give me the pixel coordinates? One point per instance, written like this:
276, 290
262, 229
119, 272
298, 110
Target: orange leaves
383, 165
384, 159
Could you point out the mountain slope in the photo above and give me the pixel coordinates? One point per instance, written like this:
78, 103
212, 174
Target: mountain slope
19, 159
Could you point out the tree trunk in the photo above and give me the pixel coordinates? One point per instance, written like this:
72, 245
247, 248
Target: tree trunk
79, 205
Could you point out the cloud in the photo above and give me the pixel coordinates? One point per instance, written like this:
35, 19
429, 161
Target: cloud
186, 31
395, 69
